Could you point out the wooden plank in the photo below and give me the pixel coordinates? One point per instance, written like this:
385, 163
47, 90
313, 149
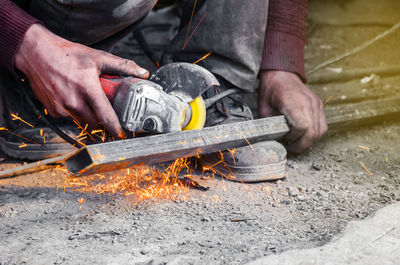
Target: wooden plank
350, 74
366, 112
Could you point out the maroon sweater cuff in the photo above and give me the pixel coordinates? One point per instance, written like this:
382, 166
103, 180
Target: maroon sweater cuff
14, 23
284, 52
286, 36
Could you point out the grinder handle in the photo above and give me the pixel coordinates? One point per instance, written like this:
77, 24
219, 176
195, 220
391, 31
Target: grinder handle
112, 83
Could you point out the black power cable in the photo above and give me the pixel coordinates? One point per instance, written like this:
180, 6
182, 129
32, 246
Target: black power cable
23, 85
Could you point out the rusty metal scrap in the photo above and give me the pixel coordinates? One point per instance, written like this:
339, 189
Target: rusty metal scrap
167, 147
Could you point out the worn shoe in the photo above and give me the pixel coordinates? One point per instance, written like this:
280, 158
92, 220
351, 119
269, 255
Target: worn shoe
262, 161
34, 141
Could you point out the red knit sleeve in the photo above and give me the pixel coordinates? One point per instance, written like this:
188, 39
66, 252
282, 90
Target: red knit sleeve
14, 22
286, 36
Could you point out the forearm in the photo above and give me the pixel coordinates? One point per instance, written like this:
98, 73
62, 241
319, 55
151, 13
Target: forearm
14, 23
286, 36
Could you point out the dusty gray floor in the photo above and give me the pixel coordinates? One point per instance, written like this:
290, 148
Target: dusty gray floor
324, 190
375, 240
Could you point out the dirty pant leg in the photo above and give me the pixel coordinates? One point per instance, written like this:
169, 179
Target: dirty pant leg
234, 31
96, 23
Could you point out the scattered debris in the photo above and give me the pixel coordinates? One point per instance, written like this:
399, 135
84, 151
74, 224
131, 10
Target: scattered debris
368, 79
242, 220
337, 70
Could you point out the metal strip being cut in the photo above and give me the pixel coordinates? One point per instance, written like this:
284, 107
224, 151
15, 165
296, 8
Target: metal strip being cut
100, 158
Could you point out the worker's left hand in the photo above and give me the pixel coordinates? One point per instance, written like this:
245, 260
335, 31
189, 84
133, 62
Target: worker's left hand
284, 93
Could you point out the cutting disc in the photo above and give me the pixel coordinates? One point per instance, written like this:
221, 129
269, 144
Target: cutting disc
198, 118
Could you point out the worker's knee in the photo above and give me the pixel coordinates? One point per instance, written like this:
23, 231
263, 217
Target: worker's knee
89, 21
122, 11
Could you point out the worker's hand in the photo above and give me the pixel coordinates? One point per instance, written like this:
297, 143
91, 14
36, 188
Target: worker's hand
65, 77
284, 93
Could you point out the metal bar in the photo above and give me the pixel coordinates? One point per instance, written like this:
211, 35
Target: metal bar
161, 148
32, 167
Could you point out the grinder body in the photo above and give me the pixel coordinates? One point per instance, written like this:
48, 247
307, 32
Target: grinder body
170, 101
143, 106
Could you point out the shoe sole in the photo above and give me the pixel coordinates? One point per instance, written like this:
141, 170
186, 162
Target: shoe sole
269, 172
35, 152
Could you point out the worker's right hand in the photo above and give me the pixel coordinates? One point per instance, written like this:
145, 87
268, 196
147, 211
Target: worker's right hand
65, 77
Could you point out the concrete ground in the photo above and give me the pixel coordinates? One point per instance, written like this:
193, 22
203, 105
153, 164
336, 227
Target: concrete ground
375, 240
330, 209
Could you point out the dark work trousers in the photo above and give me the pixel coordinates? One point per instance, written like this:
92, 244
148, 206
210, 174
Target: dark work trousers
232, 30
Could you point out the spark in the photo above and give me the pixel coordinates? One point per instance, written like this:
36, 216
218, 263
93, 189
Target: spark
215, 198
83, 130
22, 137
225, 111
191, 19
216, 171
45, 112
142, 181
187, 41
102, 137
81, 202
366, 169
364, 147
82, 144
69, 114
326, 102
96, 131
233, 152
249, 144
23, 145
82, 138
16, 117
203, 58
3, 129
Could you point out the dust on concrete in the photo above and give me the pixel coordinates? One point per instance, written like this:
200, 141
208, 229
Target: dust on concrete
232, 223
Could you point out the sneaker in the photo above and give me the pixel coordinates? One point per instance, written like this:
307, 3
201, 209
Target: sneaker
264, 161
33, 141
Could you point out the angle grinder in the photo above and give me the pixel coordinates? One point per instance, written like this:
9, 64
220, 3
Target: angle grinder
170, 101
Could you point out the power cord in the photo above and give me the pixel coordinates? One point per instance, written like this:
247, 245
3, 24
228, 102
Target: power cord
24, 86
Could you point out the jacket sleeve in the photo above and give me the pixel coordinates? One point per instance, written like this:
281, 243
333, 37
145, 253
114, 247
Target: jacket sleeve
286, 36
14, 22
